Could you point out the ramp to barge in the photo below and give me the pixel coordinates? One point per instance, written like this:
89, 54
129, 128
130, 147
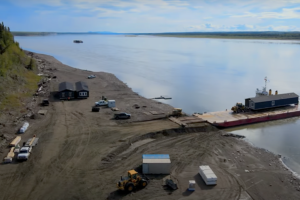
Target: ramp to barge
229, 119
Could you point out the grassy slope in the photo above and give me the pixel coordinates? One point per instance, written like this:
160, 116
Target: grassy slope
18, 79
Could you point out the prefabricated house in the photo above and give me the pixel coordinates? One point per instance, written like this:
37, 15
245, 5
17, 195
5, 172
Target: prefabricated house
272, 101
111, 103
66, 90
156, 164
82, 90
207, 175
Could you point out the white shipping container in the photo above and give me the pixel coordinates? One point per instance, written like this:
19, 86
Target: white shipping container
111, 103
156, 166
207, 175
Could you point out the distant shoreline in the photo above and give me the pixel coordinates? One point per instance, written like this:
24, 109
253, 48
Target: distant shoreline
226, 37
213, 35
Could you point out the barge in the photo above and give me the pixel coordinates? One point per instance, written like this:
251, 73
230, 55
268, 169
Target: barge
225, 119
264, 107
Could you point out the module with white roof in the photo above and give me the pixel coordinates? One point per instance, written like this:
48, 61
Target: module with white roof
156, 164
208, 175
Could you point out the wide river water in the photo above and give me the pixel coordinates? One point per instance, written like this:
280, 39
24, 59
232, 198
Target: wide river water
201, 75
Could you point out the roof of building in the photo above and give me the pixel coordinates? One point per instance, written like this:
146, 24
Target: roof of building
66, 86
80, 85
161, 160
208, 173
273, 97
155, 156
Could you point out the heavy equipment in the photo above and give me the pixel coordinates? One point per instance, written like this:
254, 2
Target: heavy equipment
132, 181
239, 107
176, 112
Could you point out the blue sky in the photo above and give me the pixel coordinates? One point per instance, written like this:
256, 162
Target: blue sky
144, 16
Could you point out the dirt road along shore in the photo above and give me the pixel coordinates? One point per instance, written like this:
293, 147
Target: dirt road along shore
82, 154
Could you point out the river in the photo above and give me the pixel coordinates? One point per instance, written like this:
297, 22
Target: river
201, 75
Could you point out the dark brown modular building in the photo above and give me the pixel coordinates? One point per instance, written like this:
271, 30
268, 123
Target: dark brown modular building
66, 90
82, 90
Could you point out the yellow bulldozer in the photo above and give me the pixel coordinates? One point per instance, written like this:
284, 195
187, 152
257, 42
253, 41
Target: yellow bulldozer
132, 181
239, 107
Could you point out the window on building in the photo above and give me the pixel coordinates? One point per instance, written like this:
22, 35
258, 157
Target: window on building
82, 93
62, 94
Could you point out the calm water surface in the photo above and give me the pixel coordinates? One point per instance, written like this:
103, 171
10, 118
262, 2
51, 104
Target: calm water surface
201, 75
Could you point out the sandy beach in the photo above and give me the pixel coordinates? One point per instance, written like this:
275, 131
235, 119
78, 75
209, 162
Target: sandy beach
82, 154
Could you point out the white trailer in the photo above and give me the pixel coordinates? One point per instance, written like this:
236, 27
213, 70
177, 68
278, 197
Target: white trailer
24, 127
111, 103
207, 175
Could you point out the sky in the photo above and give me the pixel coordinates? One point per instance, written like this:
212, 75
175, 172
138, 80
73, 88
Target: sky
150, 16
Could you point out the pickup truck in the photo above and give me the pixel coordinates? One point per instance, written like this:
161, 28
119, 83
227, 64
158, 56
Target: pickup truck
122, 116
101, 103
24, 153
91, 76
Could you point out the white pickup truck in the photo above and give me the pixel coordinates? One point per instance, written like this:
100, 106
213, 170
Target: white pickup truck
24, 153
101, 103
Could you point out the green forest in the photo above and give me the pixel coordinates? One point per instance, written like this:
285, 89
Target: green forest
18, 78
235, 35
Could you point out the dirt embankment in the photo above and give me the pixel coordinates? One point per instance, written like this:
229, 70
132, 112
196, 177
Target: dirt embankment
82, 154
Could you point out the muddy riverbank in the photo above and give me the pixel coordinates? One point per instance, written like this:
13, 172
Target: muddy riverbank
82, 154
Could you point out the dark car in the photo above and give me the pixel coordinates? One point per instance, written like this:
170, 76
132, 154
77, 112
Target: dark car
95, 109
45, 102
122, 116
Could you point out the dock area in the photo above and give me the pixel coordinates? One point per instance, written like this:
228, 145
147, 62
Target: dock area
228, 119
185, 121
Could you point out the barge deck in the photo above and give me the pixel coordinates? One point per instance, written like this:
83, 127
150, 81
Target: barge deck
224, 119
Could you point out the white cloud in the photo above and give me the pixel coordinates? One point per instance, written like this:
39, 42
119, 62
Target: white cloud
171, 15
286, 13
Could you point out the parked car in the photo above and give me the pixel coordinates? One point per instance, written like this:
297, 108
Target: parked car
95, 109
91, 76
101, 103
45, 102
122, 116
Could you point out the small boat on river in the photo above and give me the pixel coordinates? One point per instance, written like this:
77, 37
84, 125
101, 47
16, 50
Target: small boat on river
163, 97
78, 41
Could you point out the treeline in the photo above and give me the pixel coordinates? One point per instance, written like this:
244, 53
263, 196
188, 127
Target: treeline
258, 35
6, 38
19, 33
17, 71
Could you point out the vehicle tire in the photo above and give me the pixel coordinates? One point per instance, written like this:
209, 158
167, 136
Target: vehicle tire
144, 183
117, 117
129, 187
